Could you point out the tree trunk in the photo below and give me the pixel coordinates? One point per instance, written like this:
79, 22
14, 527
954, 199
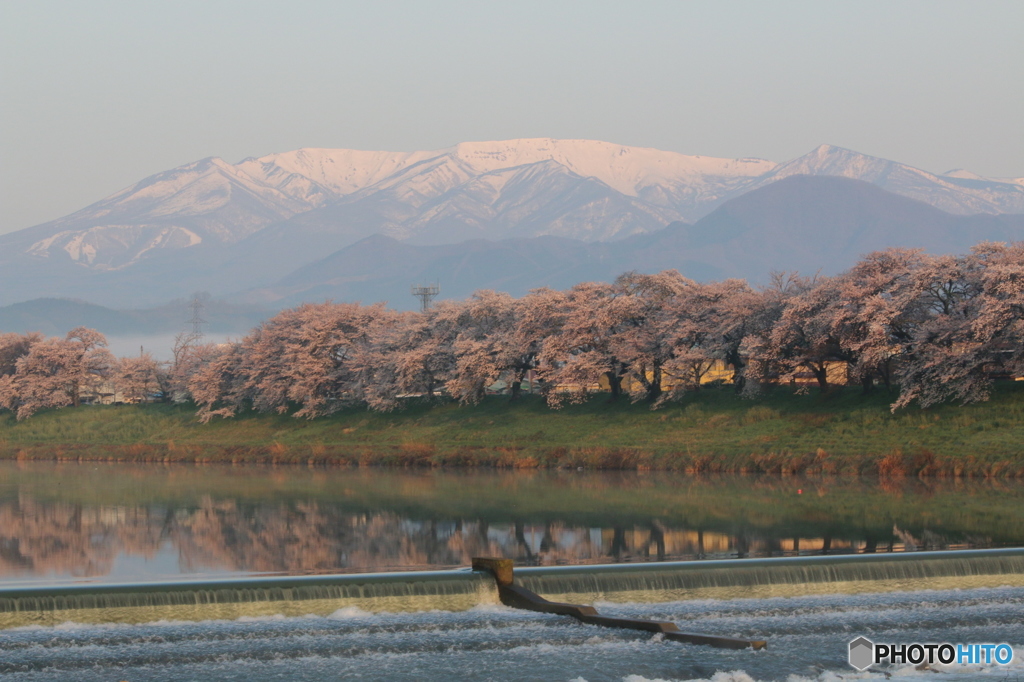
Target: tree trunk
658, 538
738, 376
696, 375
520, 532
618, 542
654, 390
886, 374
821, 374
614, 385
515, 390
652, 386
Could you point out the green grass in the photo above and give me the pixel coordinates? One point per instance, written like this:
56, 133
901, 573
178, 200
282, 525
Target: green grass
712, 430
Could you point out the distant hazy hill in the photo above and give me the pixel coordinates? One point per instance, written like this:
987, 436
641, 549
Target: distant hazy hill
381, 268
56, 317
808, 223
959, 192
263, 226
799, 223
802, 223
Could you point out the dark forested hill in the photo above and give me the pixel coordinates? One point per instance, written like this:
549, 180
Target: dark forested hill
803, 223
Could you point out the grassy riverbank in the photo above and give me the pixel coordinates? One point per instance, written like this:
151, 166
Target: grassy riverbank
844, 432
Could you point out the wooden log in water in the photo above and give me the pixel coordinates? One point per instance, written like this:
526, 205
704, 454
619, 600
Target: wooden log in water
521, 598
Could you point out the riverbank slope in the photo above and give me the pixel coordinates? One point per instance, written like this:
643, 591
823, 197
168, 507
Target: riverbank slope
713, 430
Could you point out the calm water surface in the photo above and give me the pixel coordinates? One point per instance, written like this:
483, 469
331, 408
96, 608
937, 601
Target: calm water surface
117, 523
125, 523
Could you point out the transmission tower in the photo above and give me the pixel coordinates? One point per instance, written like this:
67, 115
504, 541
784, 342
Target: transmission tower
426, 294
197, 306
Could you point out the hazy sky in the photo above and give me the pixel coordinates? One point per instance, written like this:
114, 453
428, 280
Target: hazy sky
96, 95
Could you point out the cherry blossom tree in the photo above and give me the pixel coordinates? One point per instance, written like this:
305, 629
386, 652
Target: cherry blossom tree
386, 369
764, 365
412, 357
216, 383
706, 324
864, 318
490, 342
975, 329
540, 316
55, 372
583, 352
138, 378
1000, 321
304, 357
13, 347
876, 312
642, 336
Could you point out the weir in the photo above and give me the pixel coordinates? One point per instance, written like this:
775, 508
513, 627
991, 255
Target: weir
456, 590
229, 599
777, 577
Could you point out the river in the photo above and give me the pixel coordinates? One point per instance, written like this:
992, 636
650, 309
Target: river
118, 524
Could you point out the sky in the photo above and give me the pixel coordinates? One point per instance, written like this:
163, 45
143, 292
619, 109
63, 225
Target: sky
96, 96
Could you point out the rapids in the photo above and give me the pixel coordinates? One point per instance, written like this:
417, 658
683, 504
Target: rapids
807, 636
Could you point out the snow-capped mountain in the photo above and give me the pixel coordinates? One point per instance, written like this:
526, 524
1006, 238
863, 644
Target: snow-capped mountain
802, 223
580, 189
228, 227
576, 188
958, 192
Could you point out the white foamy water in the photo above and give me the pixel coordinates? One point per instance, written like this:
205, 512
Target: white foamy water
807, 638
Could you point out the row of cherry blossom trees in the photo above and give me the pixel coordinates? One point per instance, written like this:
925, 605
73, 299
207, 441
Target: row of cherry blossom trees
937, 327
36, 372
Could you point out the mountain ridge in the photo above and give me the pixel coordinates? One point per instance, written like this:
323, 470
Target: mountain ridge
233, 227
801, 223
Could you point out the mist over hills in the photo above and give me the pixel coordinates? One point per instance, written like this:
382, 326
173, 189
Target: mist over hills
57, 316
808, 223
802, 223
512, 215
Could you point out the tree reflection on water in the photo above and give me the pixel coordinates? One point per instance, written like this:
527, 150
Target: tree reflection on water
76, 520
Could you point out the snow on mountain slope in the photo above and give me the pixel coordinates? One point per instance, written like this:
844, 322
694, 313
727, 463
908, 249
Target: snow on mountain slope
114, 246
626, 169
959, 192
439, 201
418, 183
196, 189
341, 171
212, 202
205, 201
540, 198
303, 201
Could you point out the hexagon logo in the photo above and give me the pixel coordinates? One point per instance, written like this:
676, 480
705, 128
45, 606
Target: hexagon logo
862, 653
